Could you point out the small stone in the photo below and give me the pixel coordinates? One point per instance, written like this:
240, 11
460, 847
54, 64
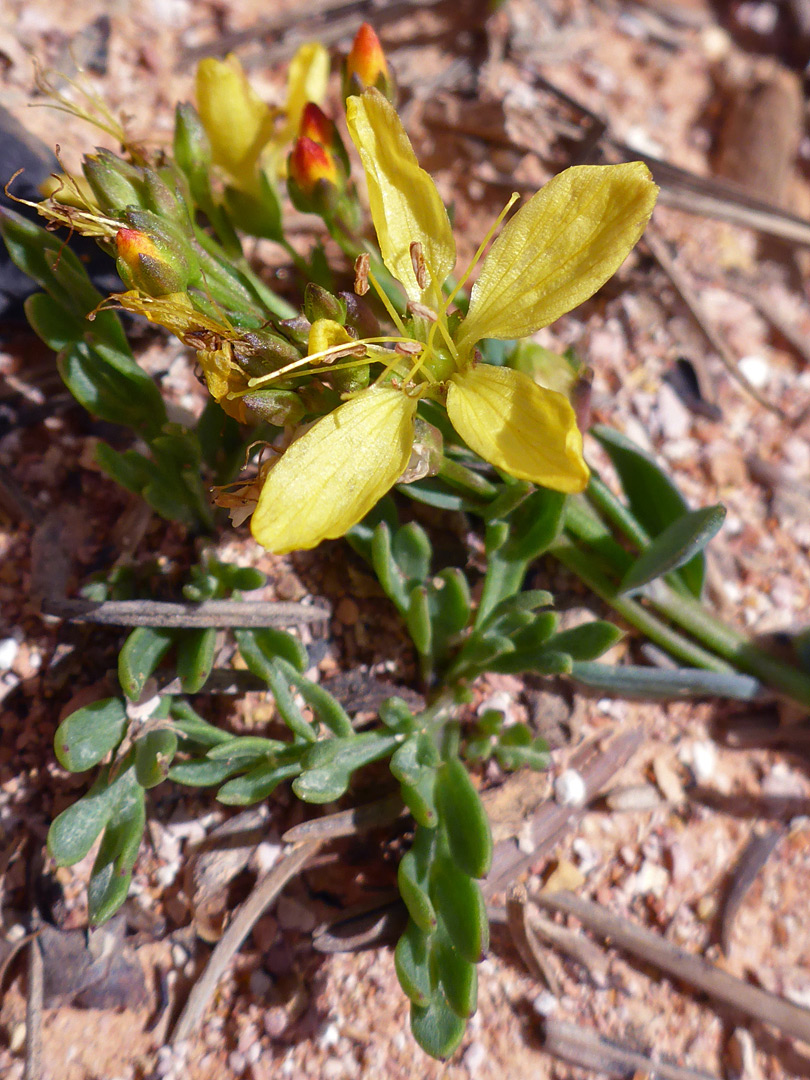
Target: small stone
569, 789
702, 758
673, 416
545, 1004
756, 369
564, 876
669, 783
260, 983
474, 1057
293, 915
16, 1041
633, 797
8, 653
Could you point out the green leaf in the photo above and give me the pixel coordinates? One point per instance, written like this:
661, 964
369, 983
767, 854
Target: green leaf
195, 657
257, 784
397, 715
413, 879
436, 1028
458, 977
190, 725
653, 498
586, 642
245, 748
75, 830
521, 603
541, 662
647, 683
463, 819
139, 658
325, 707
328, 765
450, 605
203, 773
516, 748
412, 964
538, 633
417, 619
259, 648
388, 573
287, 706
534, 525
110, 385
457, 899
154, 753
85, 737
412, 553
414, 765
674, 547
53, 323
112, 869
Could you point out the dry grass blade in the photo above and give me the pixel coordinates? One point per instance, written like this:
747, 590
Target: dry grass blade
264, 893
756, 853
589, 1050
347, 822
210, 613
790, 1018
33, 1013
525, 940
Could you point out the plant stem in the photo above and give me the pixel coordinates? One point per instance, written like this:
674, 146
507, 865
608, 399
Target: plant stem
633, 612
466, 480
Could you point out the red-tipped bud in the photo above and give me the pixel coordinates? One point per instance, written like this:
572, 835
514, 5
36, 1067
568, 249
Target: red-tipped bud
366, 65
315, 178
149, 265
316, 125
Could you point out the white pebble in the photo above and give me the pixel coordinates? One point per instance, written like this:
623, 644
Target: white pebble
474, 1057
545, 1004
9, 649
756, 369
569, 789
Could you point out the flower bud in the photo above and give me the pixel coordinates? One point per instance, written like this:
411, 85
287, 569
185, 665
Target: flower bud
316, 125
282, 408
359, 316
192, 147
115, 183
171, 239
366, 66
314, 178
148, 265
297, 330
258, 352
319, 303
164, 199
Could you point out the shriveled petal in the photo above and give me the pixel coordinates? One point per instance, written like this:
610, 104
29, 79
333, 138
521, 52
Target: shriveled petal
518, 426
559, 249
334, 474
237, 121
405, 205
306, 81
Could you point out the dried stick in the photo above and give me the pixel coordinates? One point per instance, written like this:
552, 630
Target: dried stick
756, 853
347, 822
586, 1048
209, 613
790, 1018
33, 1013
264, 893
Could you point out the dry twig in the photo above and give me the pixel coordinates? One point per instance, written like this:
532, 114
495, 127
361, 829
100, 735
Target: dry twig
769, 1008
209, 613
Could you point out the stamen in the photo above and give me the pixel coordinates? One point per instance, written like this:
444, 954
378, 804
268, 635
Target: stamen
481, 247
389, 307
361, 268
409, 348
327, 354
418, 264
422, 310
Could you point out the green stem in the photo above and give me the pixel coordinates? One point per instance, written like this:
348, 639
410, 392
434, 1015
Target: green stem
466, 480
633, 612
600, 495
691, 615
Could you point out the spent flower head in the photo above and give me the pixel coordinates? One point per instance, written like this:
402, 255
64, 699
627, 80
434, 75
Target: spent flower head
553, 254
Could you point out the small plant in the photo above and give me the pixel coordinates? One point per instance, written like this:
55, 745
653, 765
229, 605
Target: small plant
406, 381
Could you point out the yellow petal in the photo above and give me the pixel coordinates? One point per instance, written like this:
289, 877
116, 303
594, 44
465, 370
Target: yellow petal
559, 249
334, 474
306, 81
405, 205
237, 121
518, 426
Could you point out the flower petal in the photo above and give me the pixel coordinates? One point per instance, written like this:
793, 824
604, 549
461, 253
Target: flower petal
237, 121
405, 205
306, 81
335, 473
518, 426
559, 249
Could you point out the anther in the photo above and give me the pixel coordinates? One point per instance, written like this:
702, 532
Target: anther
361, 268
409, 348
418, 263
416, 308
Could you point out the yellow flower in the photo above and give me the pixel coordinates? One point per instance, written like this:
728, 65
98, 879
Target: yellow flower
245, 133
552, 255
